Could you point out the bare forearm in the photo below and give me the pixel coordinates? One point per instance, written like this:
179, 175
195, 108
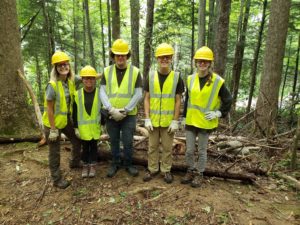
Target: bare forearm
177, 107
147, 105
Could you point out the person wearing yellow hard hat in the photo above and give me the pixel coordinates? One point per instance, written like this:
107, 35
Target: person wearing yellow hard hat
120, 92
163, 90
207, 99
86, 118
58, 105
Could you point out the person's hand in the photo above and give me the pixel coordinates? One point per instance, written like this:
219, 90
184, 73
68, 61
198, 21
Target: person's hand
173, 126
182, 123
53, 135
116, 114
213, 115
77, 132
148, 124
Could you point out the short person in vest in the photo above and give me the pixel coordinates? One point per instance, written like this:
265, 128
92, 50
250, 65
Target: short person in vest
120, 92
207, 99
163, 91
87, 117
58, 104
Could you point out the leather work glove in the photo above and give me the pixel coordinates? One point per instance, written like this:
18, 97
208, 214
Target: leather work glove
53, 135
77, 132
213, 115
116, 114
148, 124
182, 123
173, 126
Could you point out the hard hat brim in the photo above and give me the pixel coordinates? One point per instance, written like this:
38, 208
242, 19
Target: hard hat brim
119, 53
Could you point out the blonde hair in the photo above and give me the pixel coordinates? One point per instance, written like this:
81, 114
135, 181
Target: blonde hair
54, 74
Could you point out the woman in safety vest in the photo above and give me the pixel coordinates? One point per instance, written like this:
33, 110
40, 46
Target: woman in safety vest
207, 99
86, 117
58, 103
163, 91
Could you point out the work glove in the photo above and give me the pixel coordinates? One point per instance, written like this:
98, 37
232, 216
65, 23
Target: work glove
213, 115
117, 114
182, 123
77, 132
148, 124
173, 126
53, 135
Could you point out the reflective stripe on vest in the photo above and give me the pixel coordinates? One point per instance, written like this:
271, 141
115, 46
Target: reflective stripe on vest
60, 107
162, 102
120, 96
89, 125
202, 101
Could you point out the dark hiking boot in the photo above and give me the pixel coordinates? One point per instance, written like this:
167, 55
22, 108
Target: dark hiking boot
196, 182
62, 184
149, 176
92, 172
168, 178
112, 170
132, 170
85, 171
188, 177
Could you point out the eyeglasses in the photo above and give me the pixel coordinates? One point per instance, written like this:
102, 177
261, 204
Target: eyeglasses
200, 61
166, 57
88, 78
120, 56
63, 65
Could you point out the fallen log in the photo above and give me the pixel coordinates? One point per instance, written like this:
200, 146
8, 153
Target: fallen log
140, 158
6, 140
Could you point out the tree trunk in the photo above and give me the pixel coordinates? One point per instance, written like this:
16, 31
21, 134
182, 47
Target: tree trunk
16, 117
148, 38
39, 79
255, 57
115, 8
221, 37
109, 28
201, 23
75, 35
84, 32
267, 103
294, 147
193, 36
239, 55
91, 44
135, 27
102, 34
210, 35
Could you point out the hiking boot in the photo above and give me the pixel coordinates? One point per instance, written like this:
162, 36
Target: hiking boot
92, 170
148, 175
85, 171
132, 170
188, 177
62, 184
168, 177
196, 182
112, 170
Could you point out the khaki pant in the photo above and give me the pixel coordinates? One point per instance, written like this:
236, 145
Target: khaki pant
157, 136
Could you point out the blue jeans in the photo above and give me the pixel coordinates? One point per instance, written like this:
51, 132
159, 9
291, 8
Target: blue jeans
122, 130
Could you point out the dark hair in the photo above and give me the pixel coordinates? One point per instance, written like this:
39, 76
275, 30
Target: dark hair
112, 55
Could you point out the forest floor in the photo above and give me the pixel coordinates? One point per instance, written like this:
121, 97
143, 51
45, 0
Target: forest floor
28, 197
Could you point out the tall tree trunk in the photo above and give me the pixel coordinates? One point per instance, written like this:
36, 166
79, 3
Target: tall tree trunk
109, 28
201, 23
210, 35
84, 32
239, 55
267, 103
16, 117
115, 8
148, 38
102, 33
221, 37
286, 71
75, 35
255, 57
91, 44
135, 28
193, 36
39, 78
50, 38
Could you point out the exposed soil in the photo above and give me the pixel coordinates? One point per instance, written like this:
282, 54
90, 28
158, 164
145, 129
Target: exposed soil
28, 197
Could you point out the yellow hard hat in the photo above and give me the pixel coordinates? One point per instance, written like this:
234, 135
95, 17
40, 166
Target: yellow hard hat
120, 47
88, 71
164, 49
59, 57
204, 53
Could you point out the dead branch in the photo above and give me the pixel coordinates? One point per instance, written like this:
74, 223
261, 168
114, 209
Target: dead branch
295, 183
40, 198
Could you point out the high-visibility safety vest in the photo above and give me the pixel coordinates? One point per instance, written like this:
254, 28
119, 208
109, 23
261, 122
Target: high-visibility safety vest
60, 106
120, 96
202, 101
162, 102
88, 125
